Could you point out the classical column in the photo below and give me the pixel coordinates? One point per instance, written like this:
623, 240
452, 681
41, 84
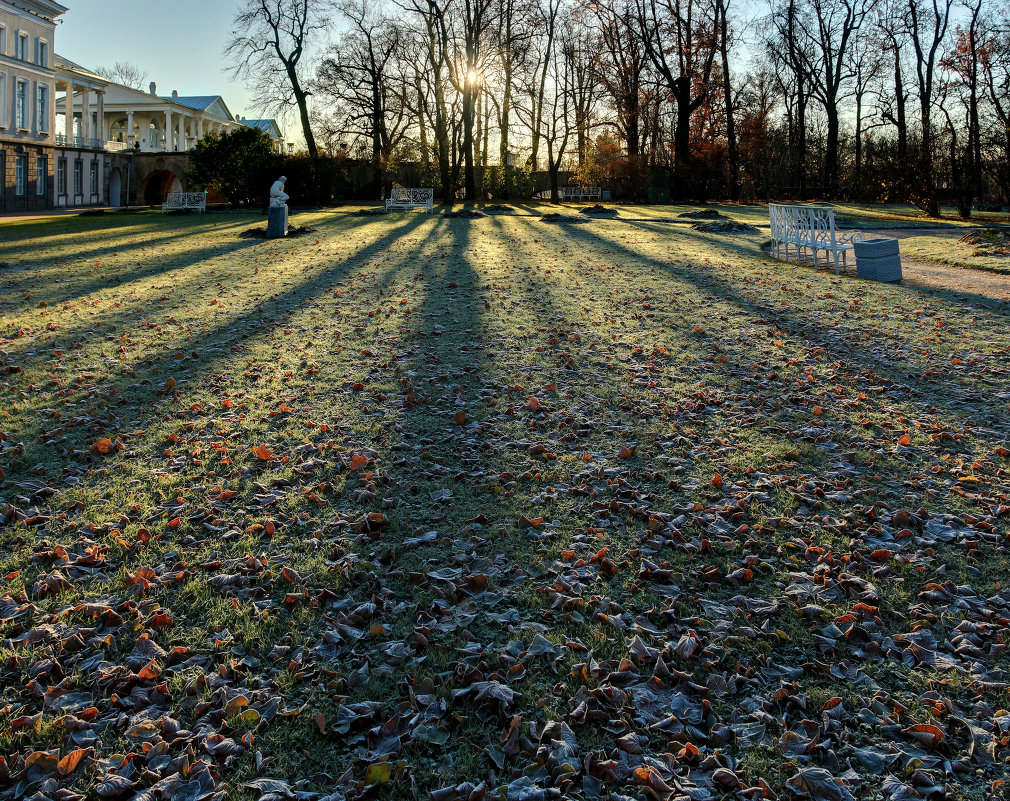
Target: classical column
182, 133
130, 138
168, 131
199, 127
86, 114
68, 123
101, 116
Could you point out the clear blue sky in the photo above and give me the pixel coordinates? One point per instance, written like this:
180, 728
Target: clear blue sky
178, 43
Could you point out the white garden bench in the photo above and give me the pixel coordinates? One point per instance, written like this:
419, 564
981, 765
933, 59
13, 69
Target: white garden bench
581, 193
406, 199
196, 201
810, 228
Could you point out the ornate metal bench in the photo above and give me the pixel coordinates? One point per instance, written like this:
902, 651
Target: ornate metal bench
810, 228
407, 199
581, 193
185, 200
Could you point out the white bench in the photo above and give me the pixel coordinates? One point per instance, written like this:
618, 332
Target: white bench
581, 193
185, 200
810, 228
407, 199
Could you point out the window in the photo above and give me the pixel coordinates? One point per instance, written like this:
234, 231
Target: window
43, 108
21, 174
3, 100
21, 105
61, 177
21, 47
3, 40
41, 176
43, 53
78, 177
94, 177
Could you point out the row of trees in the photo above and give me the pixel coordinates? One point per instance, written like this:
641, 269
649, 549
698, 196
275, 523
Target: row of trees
869, 99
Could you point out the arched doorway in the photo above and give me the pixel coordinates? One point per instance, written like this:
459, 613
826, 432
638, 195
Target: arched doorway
158, 185
115, 187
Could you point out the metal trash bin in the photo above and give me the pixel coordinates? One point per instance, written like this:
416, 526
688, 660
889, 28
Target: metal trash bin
878, 259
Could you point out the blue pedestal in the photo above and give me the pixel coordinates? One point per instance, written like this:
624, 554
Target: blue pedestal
277, 222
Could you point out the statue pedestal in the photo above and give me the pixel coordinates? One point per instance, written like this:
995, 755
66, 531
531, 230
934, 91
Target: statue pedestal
277, 222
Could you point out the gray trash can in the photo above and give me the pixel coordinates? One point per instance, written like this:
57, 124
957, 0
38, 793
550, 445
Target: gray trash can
878, 259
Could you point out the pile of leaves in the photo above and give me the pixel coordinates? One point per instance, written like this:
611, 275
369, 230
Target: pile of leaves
498, 208
988, 242
598, 209
376, 212
607, 512
724, 227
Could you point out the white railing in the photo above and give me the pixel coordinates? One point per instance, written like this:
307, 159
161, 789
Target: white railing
581, 193
62, 140
115, 147
185, 200
810, 228
403, 198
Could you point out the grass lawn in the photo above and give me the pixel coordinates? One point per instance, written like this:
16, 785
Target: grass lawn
493, 509
948, 248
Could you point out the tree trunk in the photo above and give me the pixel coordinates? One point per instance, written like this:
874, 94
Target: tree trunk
899, 99
301, 98
682, 132
727, 88
831, 149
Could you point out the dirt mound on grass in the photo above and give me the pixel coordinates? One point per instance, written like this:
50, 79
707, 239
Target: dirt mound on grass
261, 233
464, 214
554, 217
703, 214
498, 207
726, 227
598, 209
369, 212
992, 242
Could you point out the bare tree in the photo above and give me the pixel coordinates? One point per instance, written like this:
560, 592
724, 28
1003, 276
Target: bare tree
361, 85
124, 72
679, 36
622, 69
268, 46
928, 23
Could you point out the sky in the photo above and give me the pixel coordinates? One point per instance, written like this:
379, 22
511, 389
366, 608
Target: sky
178, 43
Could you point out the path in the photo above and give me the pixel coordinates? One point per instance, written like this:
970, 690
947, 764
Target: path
934, 275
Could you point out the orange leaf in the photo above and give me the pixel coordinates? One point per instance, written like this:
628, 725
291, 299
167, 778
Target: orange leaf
102, 446
264, 453
926, 734
461, 418
716, 480
626, 452
905, 439
533, 404
69, 763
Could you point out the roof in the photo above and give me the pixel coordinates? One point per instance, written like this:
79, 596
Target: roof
197, 102
263, 125
65, 64
44, 8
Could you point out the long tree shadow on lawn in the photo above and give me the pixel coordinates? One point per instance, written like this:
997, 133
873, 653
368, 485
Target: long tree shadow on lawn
895, 370
137, 386
730, 244
163, 308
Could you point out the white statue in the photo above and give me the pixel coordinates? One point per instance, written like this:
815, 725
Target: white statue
278, 199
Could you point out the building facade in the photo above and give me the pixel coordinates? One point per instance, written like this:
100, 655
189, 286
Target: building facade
70, 137
27, 107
